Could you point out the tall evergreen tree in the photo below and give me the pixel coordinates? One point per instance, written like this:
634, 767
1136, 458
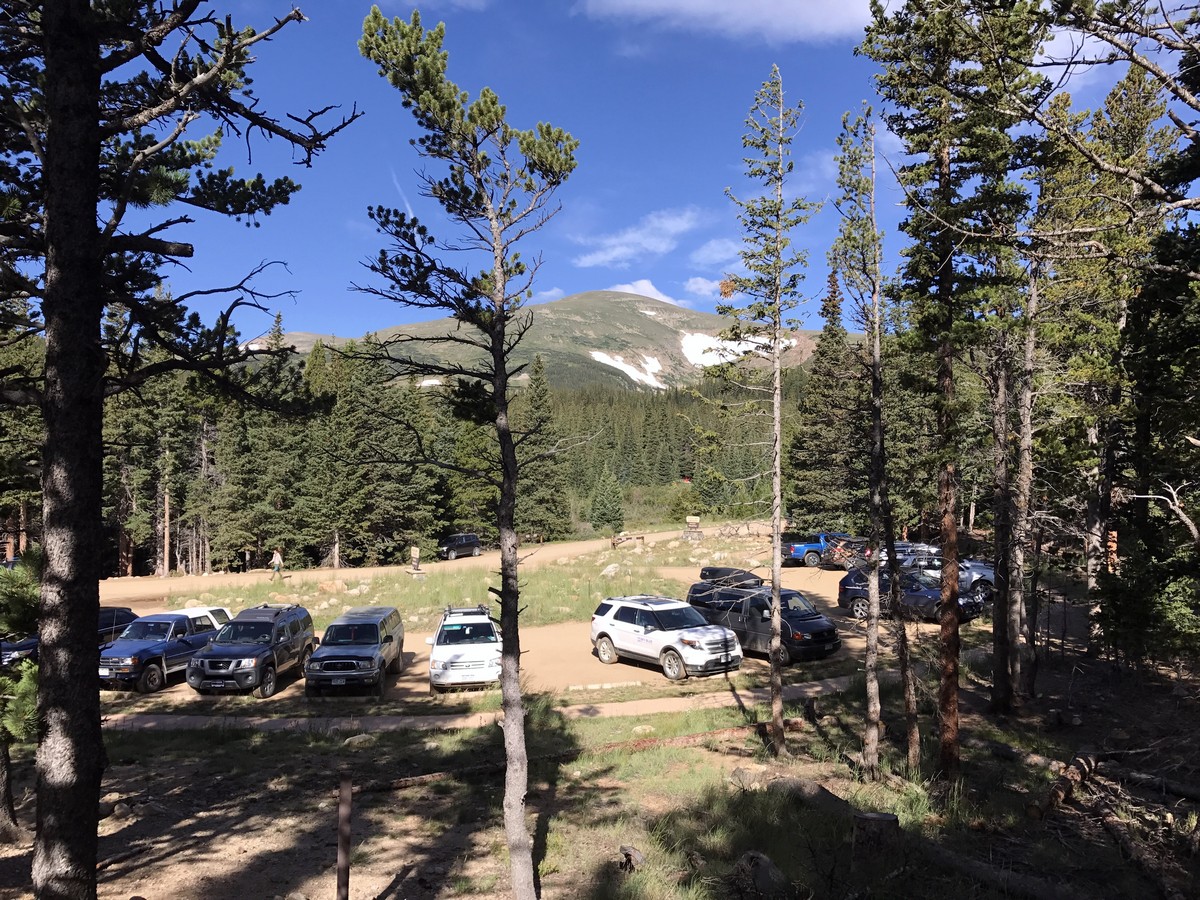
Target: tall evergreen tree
497, 189
759, 303
543, 508
608, 506
96, 101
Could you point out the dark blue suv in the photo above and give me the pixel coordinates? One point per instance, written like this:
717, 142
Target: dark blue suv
151, 648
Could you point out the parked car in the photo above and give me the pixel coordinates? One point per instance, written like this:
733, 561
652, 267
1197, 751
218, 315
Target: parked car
112, 622
845, 553
358, 649
465, 649
975, 577
920, 595
807, 548
746, 611
254, 649
666, 632
154, 647
457, 545
729, 576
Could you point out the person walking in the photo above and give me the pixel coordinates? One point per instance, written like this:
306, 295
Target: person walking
277, 565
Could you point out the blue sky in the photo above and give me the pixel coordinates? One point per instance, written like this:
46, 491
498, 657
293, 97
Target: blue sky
656, 91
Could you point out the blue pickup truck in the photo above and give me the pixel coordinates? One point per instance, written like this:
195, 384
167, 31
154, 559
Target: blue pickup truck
808, 548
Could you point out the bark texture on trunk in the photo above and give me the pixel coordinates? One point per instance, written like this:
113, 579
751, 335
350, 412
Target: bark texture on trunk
516, 771
1023, 666
778, 733
10, 829
70, 757
1002, 634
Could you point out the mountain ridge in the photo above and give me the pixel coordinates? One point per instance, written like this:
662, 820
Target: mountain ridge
611, 337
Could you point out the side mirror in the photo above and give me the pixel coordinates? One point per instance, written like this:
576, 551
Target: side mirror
388, 639
429, 641
766, 614
316, 641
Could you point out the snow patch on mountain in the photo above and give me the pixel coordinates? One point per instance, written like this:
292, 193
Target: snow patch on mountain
645, 375
706, 350
648, 312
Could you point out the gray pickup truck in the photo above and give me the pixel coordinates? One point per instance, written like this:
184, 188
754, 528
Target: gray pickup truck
746, 611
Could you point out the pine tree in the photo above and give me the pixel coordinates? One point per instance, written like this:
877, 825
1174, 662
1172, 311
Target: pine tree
498, 183
97, 101
826, 466
542, 508
608, 506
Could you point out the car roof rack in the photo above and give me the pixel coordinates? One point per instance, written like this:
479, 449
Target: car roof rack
480, 610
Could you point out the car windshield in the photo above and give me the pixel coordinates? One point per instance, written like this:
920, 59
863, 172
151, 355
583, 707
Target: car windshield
679, 617
146, 631
245, 633
795, 600
341, 635
923, 580
467, 633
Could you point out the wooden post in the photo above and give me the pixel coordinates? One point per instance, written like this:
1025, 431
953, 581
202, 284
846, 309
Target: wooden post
343, 853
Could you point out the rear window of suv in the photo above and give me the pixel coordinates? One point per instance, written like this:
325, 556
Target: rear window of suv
602, 609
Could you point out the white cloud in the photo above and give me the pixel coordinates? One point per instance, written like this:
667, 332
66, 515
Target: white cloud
548, 295
702, 287
771, 20
656, 234
646, 288
715, 254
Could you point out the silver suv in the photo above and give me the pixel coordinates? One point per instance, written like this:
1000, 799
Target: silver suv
665, 632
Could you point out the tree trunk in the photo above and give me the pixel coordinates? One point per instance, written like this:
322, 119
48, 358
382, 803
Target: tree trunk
1022, 655
166, 533
1002, 634
516, 755
70, 757
10, 828
778, 735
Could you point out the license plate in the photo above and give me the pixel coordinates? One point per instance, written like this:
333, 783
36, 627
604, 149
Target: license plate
104, 673
337, 681
725, 659
215, 684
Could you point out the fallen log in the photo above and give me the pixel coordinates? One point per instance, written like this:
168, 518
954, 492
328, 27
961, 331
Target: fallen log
1076, 774
1136, 853
1157, 782
118, 858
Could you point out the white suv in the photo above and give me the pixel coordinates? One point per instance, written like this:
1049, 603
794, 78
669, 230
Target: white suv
465, 649
666, 632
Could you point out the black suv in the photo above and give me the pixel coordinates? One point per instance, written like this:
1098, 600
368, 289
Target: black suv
460, 545
358, 650
254, 649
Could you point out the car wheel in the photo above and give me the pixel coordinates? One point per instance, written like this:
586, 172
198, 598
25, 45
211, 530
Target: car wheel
396, 666
311, 691
784, 656
606, 652
381, 685
859, 607
451, 554
812, 559
304, 660
474, 551
152, 679
673, 667
266, 686
434, 690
